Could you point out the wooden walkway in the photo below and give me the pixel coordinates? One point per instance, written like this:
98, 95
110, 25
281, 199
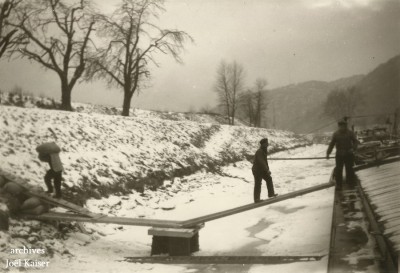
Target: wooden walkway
375, 204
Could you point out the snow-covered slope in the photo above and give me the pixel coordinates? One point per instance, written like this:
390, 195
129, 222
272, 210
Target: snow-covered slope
106, 153
28, 101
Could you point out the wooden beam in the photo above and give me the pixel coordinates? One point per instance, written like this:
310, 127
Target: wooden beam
225, 213
58, 216
64, 204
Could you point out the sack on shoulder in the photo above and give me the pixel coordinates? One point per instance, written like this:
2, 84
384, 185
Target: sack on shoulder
48, 148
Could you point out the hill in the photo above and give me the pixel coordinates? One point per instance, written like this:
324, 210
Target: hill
380, 90
299, 107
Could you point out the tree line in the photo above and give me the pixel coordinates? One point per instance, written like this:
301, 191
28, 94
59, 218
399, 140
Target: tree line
343, 102
235, 99
77, 42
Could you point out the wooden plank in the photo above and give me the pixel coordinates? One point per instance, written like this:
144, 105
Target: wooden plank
384, 207
269, 201
58, 216
385, 187
377, 163
379, 169
395, 230
64, 204
381, 185
385, 167
394, 218
371, 180
218, 260
388, 210
384, 193
173, 232
384, 199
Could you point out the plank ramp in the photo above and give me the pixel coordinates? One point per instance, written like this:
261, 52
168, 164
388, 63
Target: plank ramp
225, 213
60, 216
168, 223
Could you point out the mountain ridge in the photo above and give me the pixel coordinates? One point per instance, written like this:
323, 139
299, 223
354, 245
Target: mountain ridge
300, 107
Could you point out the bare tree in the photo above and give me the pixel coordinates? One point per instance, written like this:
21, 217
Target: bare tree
229, 86
247, 106
342, 102
253, 103
222, 87
132, 43
59, 35
237, 80
7, 33
260, 101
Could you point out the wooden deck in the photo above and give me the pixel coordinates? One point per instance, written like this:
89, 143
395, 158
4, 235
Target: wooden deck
381, 186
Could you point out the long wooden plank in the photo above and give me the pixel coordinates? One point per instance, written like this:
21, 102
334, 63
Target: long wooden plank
384, 193
369, 179
384, 167
374, 163
216, 260
387, 187
387, 207
168, 223
381, 185
277, 199
64, 204
387, 169
385, 198
58, 216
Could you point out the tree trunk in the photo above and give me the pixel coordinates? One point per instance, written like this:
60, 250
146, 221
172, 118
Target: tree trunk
65, 96
126, 106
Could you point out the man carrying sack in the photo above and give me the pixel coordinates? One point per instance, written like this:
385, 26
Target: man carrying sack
50, 153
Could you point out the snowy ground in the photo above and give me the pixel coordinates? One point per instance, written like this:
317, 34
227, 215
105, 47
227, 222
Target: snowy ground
108, 153
104, 150
299, 226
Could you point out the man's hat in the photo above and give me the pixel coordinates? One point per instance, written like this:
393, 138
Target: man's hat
342, 122
264, 140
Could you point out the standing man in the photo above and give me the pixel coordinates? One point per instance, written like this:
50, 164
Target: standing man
261, 171
346, 143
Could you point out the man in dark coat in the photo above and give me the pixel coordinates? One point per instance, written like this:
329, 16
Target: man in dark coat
346, 143
49, 153
261, 171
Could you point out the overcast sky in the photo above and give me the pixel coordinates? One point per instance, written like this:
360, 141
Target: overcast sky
284, 41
